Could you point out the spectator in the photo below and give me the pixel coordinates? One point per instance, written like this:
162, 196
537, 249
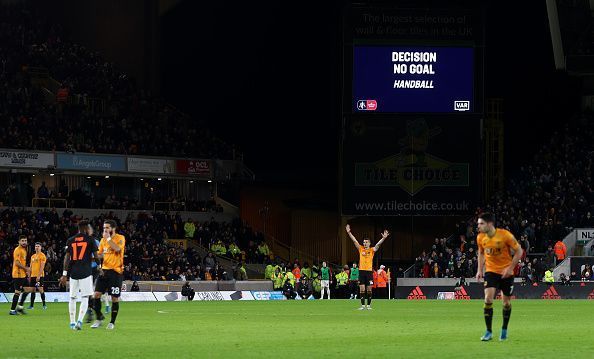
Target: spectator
296, 272
189, 229
527, 273
209, 262
587, 273
263, 251
240, 272
560, 251
354, 281
135, 287
188, 292
305, 288
306, 271
234, 250
564, 280
342, 280
42, 191
382, 282
548, 278
278, 279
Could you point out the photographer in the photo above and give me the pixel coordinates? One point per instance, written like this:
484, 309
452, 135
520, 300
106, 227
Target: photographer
188, 291
460, 283
305, 288
564, 280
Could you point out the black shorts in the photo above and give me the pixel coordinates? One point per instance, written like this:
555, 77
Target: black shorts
494, 280
33, 282
20, 283
95, 275
366, 278
110, 282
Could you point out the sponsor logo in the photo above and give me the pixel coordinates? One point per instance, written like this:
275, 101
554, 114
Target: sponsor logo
416, 294
413, 169
366, 105
462, 294
268, 295
551, 293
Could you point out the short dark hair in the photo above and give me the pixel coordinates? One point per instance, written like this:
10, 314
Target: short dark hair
487, 217
22, 236
111, 223
37, 243
82, 225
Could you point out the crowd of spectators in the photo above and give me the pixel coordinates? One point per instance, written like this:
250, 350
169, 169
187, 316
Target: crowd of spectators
148, 254
540, 205
68, 123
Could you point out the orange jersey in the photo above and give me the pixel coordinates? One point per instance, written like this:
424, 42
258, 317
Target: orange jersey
19, 254
366, 258
112, 259
37, 265
496, 249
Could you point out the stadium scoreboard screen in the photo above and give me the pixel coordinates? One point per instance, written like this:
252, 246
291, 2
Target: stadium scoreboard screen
396, 79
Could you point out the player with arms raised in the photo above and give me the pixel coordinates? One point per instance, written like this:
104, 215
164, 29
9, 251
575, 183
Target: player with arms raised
77, 261
495, 247
366, 253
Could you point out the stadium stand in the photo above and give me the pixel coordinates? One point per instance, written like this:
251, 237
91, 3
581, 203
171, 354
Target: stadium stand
543, 202
149, 254
60, 117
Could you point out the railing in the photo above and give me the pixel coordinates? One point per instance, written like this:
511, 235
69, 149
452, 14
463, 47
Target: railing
169, 206
410, 272
251, 271
49, 202
288, 253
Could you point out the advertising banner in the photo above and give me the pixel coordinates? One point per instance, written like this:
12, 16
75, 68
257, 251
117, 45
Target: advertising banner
264, 295
193, 167
26, 159
476, 291
91, 163
237, 295
409, 165
138, 297
585, 235
150, 165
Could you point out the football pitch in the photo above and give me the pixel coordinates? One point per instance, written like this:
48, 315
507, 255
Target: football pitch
303, 329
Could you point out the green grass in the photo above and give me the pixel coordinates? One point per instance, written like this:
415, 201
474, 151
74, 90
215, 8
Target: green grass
304, 329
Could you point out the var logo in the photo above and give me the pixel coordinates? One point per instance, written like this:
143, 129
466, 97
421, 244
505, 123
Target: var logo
462, 105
